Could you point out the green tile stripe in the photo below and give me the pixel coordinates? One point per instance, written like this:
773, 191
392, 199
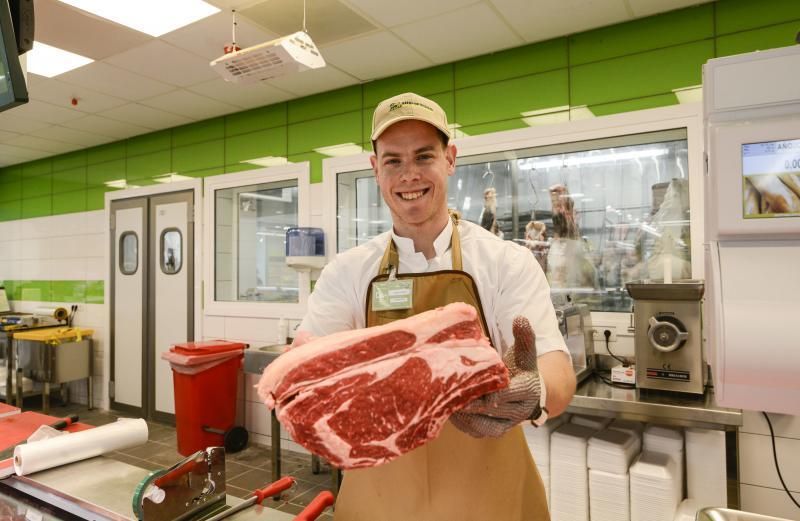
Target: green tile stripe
66, 291
624, 67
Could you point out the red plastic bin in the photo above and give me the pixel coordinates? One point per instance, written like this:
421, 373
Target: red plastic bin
205, 402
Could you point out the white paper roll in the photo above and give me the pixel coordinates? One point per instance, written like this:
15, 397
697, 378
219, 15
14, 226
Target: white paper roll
77, 446
57, 313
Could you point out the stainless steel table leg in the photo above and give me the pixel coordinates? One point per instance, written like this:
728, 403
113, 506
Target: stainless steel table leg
46, 398
315, 464
19, 380
732, 460
336, 479
89, 381
276, 446
9, 369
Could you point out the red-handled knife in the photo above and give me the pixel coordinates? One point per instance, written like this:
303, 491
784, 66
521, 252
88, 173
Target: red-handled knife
258, 496
323, 500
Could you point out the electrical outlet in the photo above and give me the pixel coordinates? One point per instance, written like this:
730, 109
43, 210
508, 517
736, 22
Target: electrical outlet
599, 329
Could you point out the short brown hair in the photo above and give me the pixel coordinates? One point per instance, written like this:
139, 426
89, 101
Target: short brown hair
442, 137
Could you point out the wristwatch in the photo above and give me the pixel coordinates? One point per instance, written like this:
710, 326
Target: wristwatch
539, 415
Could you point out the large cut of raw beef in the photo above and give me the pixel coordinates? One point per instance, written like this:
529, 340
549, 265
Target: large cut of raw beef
364, 397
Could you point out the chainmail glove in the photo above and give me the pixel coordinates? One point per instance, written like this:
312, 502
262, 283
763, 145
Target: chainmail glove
495, 413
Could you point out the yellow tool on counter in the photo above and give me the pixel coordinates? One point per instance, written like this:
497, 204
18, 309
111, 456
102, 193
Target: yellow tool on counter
54, 335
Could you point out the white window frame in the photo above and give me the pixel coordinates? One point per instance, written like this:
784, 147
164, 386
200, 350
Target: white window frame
295, 171
688, 116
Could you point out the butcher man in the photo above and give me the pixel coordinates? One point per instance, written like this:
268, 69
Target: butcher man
480, 467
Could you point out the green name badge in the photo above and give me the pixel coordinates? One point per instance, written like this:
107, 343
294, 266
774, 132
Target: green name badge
392, 294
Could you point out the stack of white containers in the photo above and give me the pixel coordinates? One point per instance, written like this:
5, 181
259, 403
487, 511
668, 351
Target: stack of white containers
610, 454
655, 490
569, 486
538, 439
593, 422
668, 441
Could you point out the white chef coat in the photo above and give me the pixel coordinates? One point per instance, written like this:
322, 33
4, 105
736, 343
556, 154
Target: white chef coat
510, 283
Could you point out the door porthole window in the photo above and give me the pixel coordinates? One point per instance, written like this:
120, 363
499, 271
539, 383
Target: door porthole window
128, 253
171, 251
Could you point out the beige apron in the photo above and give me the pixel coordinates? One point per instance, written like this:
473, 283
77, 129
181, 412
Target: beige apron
454, 477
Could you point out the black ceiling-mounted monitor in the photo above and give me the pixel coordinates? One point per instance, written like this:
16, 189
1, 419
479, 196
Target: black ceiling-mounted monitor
13, 90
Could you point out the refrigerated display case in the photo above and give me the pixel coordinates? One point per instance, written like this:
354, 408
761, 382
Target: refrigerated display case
595, 213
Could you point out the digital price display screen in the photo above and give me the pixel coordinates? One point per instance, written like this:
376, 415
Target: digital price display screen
771, 184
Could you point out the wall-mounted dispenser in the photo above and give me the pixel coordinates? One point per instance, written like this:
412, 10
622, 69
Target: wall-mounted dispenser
305, 248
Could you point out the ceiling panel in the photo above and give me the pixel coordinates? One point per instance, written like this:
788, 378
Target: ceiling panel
46, 145
391, 13
358, 56
106, 127
77, 31
46, 112
546, 19
243, 96
60, 94
114, 81
209, 36
190, 104
649, 7
459, 34
10, 122
19, 154
166, 63
5, 135
144, 116
314, 81
326, 20
71, 135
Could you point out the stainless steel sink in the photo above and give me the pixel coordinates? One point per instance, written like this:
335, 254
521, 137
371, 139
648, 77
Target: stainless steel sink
256, 359
724, 514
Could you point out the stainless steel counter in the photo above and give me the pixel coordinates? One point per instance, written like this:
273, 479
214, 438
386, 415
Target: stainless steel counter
102, 489
597, 398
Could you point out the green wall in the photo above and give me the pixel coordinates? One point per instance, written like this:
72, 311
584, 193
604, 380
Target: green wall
625, 67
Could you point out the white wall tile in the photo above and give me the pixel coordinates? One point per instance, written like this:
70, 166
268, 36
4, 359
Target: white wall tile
67, 224
96, 268
257, 418
768, 502
757, 463
7, 269
213, 327
37, 228
35, 270
256, 329
35, 249
95, 221
10, 230
785, 425
68, 247
64, 269
94, 245
9, 250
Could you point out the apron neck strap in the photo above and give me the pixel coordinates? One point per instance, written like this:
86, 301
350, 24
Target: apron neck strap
391, 259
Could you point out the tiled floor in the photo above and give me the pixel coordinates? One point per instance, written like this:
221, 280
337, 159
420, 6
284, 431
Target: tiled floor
246, 470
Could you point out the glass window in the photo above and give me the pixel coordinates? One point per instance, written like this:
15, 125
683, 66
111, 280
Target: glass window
595, 214
250, 236
171, 251
128, 253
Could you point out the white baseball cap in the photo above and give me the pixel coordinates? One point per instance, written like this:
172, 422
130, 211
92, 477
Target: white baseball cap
408, 106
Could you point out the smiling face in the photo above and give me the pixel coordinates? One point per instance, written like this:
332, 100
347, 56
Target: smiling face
411, 168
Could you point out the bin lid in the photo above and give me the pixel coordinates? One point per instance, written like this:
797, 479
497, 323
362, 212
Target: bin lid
54, 334
205, 347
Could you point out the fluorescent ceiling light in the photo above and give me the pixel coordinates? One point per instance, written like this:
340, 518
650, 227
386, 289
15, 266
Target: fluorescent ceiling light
171, 178
343, 149
49, 61
580, 112
120, 184
693, 94
267, 161
455, 129
153, 17
533, 163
